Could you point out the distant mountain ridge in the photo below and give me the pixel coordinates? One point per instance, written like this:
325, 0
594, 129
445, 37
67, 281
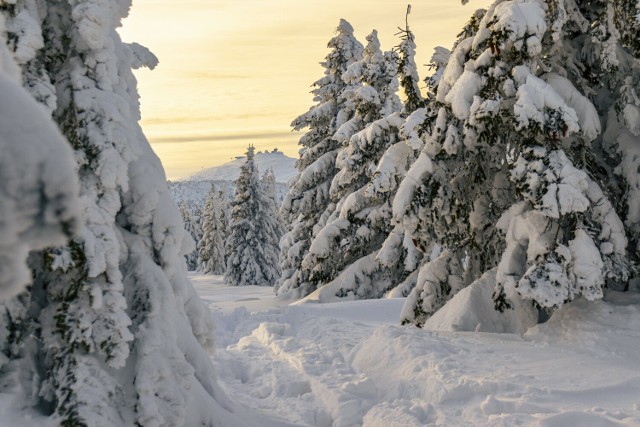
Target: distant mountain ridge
283, 168
194, 189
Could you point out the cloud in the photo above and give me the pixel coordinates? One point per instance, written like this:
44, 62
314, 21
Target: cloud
221, 137
217, 75
213, 119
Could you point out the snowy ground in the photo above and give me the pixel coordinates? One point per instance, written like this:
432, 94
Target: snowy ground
350, 364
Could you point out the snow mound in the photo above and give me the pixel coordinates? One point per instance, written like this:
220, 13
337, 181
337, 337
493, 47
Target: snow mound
283, 168
604, 325
472, 309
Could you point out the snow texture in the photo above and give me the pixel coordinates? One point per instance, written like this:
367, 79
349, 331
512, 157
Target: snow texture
350, 364
39, 203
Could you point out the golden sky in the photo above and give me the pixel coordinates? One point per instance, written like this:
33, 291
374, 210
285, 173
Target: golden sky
234, 72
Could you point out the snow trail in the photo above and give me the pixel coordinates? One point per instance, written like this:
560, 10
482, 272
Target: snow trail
350, 364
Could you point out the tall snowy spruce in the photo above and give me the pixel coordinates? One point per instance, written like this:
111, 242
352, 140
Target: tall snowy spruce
372, 96
308, 196
511, 175
254, 231
344, 256
110, 332
211, 247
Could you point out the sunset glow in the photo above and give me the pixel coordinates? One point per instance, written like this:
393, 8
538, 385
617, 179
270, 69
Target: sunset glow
234, 73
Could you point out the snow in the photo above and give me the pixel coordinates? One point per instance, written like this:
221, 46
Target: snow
535, 96
461, 94
422, 167
587, 115
472, 310
39, 203
282, 166
351, 364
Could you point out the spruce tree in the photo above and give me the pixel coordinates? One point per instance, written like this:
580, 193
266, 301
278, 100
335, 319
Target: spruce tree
211, 247
508, 174
408, 69
110, 332
612, 74
269, 184
39, 203
192, 218
254, 231
372, 95
308, 196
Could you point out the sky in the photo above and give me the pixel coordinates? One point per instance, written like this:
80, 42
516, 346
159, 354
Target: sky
237, 72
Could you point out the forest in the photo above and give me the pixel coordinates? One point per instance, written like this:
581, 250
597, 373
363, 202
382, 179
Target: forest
512, 178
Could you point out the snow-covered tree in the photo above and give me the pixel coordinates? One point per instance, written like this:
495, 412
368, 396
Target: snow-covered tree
110, 332
211, 247
254, 231
377, 253
192, 218
408, 70
39, 203
308, 196
507, 177
372, 96
269, 184
611, 73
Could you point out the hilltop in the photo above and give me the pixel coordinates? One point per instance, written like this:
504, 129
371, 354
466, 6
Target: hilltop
283, 168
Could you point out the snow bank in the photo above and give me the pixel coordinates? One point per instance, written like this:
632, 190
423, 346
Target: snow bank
472, 309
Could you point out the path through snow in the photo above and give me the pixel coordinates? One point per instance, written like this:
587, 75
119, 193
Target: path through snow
350, 364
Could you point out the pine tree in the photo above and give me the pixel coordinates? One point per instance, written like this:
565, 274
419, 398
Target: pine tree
378, 254
308, 197
253, 231
507, 176
211, 247
110, 332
